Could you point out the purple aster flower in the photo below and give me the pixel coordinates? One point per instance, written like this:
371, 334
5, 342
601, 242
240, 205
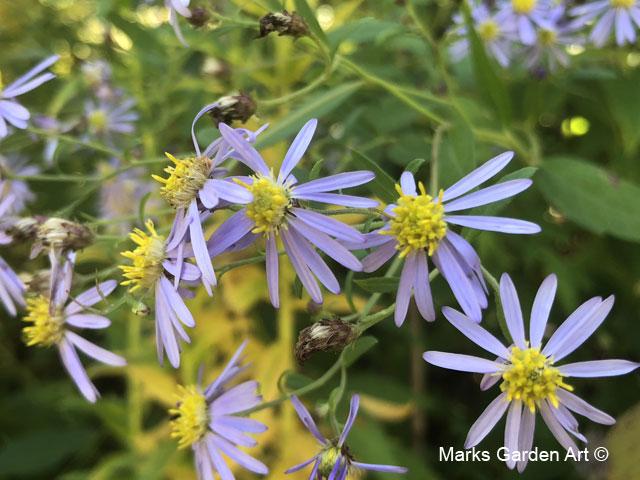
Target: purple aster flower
418, 228
194, 187
19, 190
53, 319
531, 380
153, 263
335, 461
109, 117
53, 127
522, 16
10, 110
549, 51
497, 37
271, 207
209, 421
11, 287
176, 7
611, 15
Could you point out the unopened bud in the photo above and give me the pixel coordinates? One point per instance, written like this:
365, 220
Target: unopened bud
199, 17
235, 107
25, 229
141, 309
284, 23
53, 233
327, 334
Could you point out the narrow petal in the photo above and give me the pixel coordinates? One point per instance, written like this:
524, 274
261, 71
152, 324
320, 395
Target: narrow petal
176, 303
225, 375
461, 363
90, 297
408, 184
475, 332
218, 462
379, 257
598, 368
422, 289
307, 419
76, 371
247, 154
338, 199
315, 262
525, 440
96, 352
569, 325
239, 456
494, 224
272, 263
40, 67
380, 468
478, 176
297, 149
556, 428
488, 195
512, 430
300, 466
335, 182
353, 413
200, 250
88, 320
541, 308
486, 421
512, 311
403, 296
231, 231
300, 266
579, 406
165, 329
209, 195
231, 191
328, 225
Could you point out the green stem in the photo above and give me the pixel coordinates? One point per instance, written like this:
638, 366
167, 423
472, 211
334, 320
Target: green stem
69, 139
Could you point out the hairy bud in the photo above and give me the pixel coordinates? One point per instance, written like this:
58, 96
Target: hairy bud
327, 334
284, 23
38, 282
199, 17
52, 233
235, 107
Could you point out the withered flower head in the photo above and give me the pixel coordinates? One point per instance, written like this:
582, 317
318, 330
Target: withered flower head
327, 334
234, 107
284, 23
60, 235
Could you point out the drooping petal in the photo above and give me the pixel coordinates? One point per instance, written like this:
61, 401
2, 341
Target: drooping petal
353, 413
598, 368
556, 428
297, 149
307, 419
300, 266
334, 182
176, 303
165, 329
541, 308
478, 176
315, 262
494, 224
405, 287
512, 430
488, 195
239, 456
579, 406
422, 289
461, 363
486, 421
272, 262
218, 462
475, 332
512, 310
76, 371
95, 352
247, 154
380, 256
525, 440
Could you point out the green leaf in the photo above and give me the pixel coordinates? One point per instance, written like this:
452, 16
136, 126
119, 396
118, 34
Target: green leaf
485, 70
457, 152
314, 107
592, 197
315, 170
623, 102
378, 284
414, 165
357, 349
303, 8
384, 186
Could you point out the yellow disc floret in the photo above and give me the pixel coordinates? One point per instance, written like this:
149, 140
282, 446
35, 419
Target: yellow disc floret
418, 222
622, 3
531, 378
147, 258
98, 120
185, 179
523, 7
189, 417
488, 30
46, 329
547, 37
269, 205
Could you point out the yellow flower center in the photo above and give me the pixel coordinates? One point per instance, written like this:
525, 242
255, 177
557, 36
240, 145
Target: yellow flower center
186, 178
269, 205
531, 378
418, 222
488, 30
547, 37
98, 120
622, 3
46, 330
146, 258
189, 417
523, 7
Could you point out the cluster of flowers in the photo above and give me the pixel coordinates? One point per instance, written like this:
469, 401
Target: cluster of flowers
539, 31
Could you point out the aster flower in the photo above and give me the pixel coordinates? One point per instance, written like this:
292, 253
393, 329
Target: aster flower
523, 16
10, 110
11, 287
335, 461
419, 228
178, 7
12, 166
193, 188
531, 379
610, 16
53, 128
109, 117
153, 263
53, 319
497, 37
271, 207
209, 421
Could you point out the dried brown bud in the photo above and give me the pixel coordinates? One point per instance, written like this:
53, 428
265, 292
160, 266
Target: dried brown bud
199, 17
38, 283
60, 235
235, 107
284, 23
25, 229
327, 334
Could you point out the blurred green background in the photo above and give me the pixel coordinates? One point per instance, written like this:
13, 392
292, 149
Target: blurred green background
379, 79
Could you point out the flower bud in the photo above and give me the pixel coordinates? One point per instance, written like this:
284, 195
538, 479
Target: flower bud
327, 334
141, 309
38, 283
235, 107
284, 23
53, 233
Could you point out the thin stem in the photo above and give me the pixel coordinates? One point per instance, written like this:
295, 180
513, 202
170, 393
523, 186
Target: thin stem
69, 139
